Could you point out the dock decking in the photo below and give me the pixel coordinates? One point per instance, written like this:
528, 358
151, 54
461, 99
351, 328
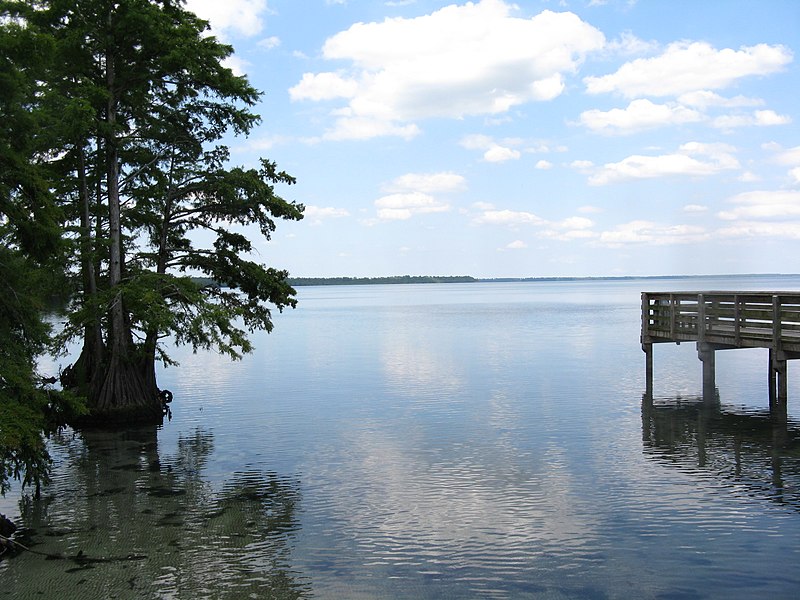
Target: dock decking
725, 320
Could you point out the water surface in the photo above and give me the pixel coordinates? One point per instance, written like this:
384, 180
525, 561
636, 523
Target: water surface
481, 440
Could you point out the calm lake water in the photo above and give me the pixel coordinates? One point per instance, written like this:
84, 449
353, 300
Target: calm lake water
483, 440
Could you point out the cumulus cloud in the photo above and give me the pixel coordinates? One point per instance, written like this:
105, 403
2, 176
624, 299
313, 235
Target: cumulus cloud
516, 245
413, 194
238, 17
572, 228
401, 207
628, 44
790, 156
445, 181
270, 42
691, 159
348, 128
787, 230
507, 217
695, 208
639, 115
461, 60
690, 66
544, 165
648, 232
500, 154
763, 205
323, 86
496, 151
704, 99
759, 118
316, 214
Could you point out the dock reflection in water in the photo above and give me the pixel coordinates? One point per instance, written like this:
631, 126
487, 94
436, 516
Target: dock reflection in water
151, 526
756, 452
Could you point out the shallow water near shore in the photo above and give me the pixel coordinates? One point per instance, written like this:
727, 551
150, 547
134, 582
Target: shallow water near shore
476, 440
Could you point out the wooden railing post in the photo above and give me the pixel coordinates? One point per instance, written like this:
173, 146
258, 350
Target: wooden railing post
701, 318
672, 315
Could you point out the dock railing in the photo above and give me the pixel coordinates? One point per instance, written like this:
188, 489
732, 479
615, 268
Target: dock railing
726, 319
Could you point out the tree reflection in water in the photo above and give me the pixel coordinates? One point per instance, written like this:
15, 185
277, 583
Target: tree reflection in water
130, 522
757, 452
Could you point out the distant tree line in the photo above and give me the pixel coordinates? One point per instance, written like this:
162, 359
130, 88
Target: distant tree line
301, 281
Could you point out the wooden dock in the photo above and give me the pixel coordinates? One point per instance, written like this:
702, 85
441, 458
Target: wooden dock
722, 321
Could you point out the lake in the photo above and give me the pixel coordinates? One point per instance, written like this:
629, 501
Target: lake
474, 440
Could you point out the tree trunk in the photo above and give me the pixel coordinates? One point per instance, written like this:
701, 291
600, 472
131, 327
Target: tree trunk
91, 358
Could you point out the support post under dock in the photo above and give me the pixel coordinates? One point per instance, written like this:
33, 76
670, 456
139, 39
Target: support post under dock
705, 352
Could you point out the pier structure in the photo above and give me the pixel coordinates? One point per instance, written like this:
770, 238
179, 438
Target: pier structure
722, 321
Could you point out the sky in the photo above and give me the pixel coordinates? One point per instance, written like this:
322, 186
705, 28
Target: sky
532, 139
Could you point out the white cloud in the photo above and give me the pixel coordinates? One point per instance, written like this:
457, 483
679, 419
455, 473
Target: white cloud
639, 115
270, 42
500, 154
787, 230
471, 59
748, 177
496, 151
323, 86
758, 118
764, 205
690, 66
476, 141
704, 99
445, 181
365, 128
581, 165
544, 165
629, 44
242, 17
316, 214
790, 157
695, 208
692, 159
647, 232
507, 217
517, 245
572, 228
401, 207
575, 223
482, 205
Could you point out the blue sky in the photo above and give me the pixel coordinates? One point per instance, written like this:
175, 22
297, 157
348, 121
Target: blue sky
528, 139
